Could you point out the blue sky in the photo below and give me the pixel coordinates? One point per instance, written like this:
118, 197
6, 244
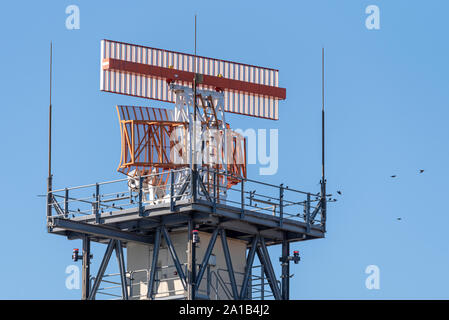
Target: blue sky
386, 97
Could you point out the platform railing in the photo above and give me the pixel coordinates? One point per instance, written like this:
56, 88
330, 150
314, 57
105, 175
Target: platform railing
247, 195
256, 196
117, 195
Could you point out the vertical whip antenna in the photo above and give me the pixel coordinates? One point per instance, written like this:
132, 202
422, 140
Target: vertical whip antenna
323, 175
50, 177
191, 246
49, 113
322, 117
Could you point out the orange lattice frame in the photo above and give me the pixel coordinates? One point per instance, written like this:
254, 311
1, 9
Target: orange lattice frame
148, 144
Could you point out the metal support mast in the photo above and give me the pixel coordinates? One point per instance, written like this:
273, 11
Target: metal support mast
323, 176
86, 268
194, 133
50, 177
285, 269
191, 263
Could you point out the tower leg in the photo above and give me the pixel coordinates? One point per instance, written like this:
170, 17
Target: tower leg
264, 259
244, 292
156, 247
191, 263
86, 268
102, 269
285, 270
121, 266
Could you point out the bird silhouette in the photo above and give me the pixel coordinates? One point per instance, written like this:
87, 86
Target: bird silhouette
399, 219
339, 192
393, 176
421, 170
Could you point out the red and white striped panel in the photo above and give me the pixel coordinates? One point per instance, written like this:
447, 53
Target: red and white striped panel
144, 86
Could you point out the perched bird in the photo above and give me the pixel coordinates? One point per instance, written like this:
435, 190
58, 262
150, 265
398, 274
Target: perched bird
393, 176
339, 192
421, 170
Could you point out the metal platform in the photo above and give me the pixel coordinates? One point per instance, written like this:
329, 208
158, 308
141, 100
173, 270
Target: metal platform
258, 213
120, 215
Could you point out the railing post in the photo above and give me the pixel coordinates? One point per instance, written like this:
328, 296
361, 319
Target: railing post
131, 294
242, 191
281, 204
215, 191
66, 203
97, 203
172, 191
307, 212
208, 281
140, 196
49, 205
194, 184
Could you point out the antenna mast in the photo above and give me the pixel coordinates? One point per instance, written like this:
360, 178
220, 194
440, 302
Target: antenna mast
50, 176
191, 261
323, 176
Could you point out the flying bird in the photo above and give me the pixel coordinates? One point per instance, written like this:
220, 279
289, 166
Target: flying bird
393, 176
421, 170
339, 192
399, 219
